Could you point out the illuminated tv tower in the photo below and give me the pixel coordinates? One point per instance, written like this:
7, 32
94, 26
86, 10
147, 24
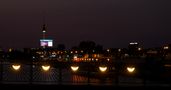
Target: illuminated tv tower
45, 42
43, 36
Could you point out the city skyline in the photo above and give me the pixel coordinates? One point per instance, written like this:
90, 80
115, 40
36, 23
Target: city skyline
112, 24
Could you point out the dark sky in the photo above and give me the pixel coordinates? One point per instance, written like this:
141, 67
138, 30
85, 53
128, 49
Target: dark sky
111, 23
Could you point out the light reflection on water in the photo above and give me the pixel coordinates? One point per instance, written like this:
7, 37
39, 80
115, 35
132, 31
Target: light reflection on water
94, 81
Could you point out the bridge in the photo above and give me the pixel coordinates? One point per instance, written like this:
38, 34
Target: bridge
117, 73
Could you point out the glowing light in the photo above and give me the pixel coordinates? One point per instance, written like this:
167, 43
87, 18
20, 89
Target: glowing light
139, 49
46, 42
166, 47
93, 50
167, 65
133, 43
10, 50
46, 67
74, 68
75, 57
50, 44
119, 50
130, 69
102, 68
16, 66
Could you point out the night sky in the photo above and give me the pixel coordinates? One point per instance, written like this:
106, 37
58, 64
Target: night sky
111, 23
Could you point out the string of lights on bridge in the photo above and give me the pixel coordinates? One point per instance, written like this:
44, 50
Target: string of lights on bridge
74, 68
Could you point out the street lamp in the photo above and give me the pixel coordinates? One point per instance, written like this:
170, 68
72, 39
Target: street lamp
102, 68
46, 67
16, 67
130, 69
74, 68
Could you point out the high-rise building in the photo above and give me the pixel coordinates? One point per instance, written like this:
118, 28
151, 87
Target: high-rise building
133, 48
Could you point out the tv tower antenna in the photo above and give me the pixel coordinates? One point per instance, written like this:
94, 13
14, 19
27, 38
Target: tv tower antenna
44, 28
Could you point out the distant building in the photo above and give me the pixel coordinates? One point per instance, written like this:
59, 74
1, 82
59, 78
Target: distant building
133, 48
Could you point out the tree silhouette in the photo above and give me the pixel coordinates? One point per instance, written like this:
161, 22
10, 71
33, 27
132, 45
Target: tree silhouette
61, 47
87, 46
90, 46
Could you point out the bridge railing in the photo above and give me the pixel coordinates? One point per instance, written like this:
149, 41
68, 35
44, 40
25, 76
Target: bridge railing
113, 73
